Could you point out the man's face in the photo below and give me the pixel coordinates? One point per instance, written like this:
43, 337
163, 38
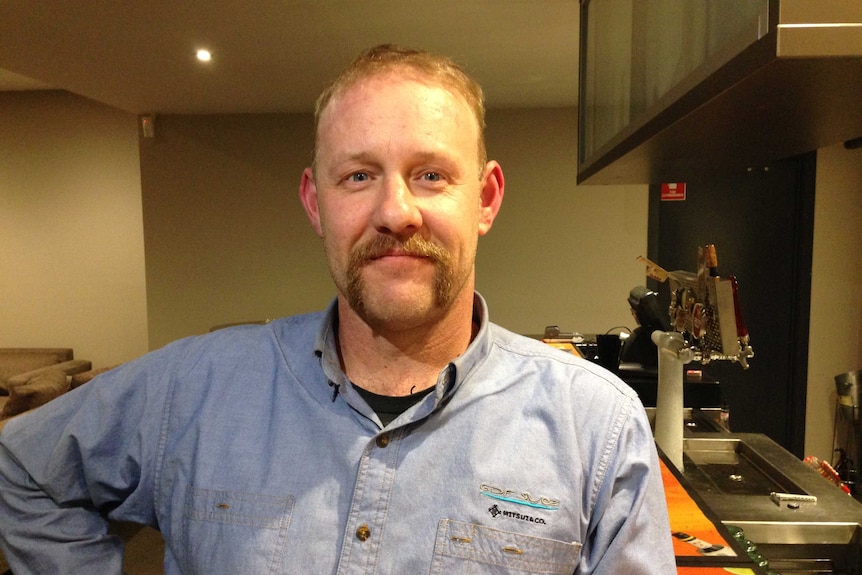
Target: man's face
399, 197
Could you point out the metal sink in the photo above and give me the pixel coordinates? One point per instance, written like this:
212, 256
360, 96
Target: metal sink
730, 466
734, 475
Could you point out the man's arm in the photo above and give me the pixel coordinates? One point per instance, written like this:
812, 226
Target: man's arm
38, 535
630, 531
70, 466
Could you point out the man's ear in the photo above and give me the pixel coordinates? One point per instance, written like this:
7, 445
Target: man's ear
308, 196
491, 196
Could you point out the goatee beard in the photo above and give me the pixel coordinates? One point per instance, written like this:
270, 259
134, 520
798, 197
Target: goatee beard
414, 246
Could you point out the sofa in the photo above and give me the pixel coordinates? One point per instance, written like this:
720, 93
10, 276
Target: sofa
30, 377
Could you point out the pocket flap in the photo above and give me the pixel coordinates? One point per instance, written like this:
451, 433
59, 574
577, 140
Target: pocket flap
252, 509
527, 553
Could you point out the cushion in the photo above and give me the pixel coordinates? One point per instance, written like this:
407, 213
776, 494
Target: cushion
20, 360
38, 391
80, 379
68, 367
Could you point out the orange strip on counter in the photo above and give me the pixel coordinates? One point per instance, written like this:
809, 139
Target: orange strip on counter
687, 517
714, 571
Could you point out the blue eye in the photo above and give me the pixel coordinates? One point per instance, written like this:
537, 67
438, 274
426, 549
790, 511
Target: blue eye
359, 177
432, 177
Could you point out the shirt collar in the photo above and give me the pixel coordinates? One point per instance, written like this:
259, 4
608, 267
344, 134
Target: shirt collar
450, 378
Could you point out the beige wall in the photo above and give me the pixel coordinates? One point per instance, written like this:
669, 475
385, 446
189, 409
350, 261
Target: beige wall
558, 254
227, 240
71, 241
226, 237
836, 290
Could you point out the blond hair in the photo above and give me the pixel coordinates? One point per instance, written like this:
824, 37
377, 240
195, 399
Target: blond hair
425, 65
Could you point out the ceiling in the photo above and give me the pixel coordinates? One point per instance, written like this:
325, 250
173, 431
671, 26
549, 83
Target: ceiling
276, 55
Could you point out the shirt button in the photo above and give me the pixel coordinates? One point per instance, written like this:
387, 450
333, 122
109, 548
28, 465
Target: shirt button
363, 532
382, 440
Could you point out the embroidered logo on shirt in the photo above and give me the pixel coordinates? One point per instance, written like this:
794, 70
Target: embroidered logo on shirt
519, 498
495, 512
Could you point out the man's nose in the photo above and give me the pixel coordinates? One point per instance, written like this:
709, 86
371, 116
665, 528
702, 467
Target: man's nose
397, 212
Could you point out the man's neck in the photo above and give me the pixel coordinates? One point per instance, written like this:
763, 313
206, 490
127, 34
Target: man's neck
401, 362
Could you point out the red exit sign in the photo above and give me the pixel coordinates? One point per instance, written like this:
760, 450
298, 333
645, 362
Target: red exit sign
674, 192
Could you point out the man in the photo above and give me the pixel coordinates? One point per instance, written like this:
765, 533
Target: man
398, 432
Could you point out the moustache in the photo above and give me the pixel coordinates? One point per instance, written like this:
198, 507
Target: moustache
382, 245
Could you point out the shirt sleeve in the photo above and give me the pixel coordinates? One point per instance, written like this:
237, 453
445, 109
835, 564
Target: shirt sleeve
629, 529
69, 467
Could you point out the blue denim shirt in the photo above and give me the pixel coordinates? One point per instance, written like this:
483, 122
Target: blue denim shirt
251, 452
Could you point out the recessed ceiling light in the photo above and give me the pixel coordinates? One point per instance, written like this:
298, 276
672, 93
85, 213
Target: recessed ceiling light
204, 55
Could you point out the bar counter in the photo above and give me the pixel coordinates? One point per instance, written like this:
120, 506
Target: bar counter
743, 490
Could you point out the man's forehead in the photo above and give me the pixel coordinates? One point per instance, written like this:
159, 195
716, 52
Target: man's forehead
380, 102
386, 83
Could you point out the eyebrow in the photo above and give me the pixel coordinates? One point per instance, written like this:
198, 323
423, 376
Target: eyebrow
358, 157
371, 159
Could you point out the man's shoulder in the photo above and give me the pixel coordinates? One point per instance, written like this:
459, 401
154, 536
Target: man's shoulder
553, 365
286, 335
240, 356
299, 323
289, 334
287, 324
510, 343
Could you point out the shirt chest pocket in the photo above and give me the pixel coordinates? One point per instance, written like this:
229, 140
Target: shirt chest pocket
467, 548
234, 532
